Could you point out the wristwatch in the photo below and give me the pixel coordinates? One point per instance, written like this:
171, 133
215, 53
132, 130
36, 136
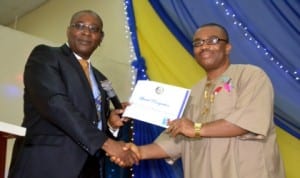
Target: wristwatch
197, 128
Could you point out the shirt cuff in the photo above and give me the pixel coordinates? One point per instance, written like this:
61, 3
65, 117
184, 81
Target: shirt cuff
113, 131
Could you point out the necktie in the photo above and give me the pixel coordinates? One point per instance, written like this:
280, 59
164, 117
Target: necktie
85, 66
98, 108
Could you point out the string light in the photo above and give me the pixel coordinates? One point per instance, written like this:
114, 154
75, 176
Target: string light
132, 56
247, 34
138, 67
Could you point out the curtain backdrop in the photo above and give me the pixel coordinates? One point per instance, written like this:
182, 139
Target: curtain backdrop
263, 33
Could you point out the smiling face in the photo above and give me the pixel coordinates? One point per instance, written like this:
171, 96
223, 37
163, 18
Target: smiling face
85, 33
212, 54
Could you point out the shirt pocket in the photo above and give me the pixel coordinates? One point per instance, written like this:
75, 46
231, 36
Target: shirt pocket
224, 104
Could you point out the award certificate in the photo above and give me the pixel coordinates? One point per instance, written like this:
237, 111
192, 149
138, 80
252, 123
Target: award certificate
156, 103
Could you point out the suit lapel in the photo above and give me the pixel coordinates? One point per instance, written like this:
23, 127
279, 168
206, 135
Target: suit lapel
98, 77
74, 62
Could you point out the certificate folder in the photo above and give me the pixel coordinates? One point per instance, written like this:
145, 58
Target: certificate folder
155, 103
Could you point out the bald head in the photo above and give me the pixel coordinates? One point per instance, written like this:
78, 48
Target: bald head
90, 12
223, 29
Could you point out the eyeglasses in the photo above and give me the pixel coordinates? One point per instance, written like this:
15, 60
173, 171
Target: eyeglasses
210, 41
82, 26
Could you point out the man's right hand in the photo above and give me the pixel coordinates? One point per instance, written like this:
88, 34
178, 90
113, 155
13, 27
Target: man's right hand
117, 150
127, 147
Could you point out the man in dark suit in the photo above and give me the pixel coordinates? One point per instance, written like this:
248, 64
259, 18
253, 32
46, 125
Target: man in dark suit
67, 135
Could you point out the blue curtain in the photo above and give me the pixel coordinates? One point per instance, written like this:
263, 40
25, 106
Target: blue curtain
146, 133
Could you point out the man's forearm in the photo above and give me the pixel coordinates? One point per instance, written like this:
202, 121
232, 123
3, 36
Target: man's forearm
221, 128
152, 151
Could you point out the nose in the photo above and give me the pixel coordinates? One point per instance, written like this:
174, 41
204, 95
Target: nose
204, 46
86, 30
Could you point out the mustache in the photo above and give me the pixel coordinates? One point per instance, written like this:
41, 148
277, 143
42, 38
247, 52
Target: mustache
205, 50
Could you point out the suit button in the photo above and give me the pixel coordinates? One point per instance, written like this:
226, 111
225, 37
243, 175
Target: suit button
85, 148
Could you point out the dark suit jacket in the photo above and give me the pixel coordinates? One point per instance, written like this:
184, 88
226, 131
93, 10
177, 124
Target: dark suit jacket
60, 117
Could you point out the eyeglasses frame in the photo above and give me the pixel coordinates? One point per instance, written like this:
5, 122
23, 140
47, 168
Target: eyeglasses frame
82, 27
214, 40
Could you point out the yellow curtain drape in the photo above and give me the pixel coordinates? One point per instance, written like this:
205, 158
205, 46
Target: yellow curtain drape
166, 60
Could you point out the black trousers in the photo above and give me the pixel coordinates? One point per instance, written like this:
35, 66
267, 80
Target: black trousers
93, 167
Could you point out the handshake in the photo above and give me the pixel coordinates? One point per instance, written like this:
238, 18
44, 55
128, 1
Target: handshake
121, 153
127, 154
